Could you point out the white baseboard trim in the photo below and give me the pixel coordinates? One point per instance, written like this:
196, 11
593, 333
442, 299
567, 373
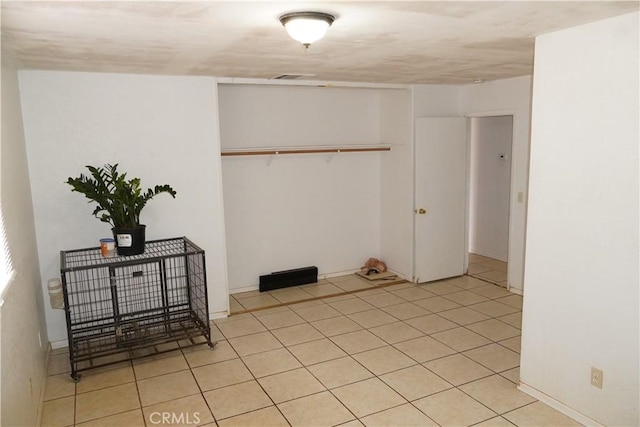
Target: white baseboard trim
558, 406
515, 291
218, 315
59, 344
244, 289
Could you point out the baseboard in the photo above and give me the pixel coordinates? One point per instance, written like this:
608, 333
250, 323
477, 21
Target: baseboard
558, 406
487, 254
244, 289
516, 291
59, 344
218, 315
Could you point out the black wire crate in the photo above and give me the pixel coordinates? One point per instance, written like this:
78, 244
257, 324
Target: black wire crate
124, 307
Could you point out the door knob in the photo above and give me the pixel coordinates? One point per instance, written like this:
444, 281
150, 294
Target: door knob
421, 211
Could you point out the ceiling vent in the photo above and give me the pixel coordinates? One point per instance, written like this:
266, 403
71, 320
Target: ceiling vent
292, 76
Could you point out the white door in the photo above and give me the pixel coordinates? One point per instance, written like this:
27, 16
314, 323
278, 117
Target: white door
440, 197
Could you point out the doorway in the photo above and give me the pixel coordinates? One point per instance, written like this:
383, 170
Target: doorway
490, 149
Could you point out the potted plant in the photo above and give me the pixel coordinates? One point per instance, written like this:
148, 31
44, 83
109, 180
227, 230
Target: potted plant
120, 201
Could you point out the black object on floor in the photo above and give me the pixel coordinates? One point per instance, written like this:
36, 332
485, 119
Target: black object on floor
284, 279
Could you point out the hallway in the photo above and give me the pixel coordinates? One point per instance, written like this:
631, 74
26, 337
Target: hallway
488, 269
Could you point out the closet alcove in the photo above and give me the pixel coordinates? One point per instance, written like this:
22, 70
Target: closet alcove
314, 176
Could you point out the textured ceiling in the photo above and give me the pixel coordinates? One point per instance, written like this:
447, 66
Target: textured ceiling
447, 42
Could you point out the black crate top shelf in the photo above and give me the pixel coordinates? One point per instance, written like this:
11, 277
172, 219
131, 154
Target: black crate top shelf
89, 257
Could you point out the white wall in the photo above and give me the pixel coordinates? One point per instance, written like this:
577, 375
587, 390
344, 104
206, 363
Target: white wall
293, 116
162, 129
500, 97
299, 210
490, 180
581, 295
396, 186
23, 358
436, 101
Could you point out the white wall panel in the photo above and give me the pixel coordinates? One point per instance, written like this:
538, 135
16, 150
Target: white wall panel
582, 260
162, 129
23, 355
396, 186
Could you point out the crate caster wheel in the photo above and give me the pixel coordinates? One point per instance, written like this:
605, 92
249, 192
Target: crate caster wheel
76, 377
212, 346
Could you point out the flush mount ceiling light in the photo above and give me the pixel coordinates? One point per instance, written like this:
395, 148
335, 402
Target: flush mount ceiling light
307, 27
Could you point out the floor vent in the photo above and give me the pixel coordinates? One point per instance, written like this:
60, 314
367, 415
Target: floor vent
284, 279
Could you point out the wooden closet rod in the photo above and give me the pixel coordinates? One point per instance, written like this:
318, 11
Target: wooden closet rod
300, 151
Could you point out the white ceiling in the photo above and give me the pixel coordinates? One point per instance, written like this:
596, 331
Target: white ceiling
446, 42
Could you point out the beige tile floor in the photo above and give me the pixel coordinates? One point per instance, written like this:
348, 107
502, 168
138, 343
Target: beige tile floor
488, 269
256, 300
444, 353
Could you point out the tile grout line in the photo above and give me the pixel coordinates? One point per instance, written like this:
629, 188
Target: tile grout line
105, 388
201, 394
135, 380
493, 373
289, 351
306, 367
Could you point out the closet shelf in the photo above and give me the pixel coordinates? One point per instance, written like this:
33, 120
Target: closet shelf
310, 150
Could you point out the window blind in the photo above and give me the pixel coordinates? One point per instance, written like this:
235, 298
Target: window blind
6, 269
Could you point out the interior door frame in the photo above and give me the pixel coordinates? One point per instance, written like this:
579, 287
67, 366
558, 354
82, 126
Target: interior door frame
513, 196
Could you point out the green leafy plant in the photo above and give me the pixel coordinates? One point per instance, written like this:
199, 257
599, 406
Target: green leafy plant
119, 200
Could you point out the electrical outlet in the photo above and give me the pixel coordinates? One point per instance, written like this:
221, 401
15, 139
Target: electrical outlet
596, 377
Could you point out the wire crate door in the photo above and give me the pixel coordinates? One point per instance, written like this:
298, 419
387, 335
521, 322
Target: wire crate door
139, 298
